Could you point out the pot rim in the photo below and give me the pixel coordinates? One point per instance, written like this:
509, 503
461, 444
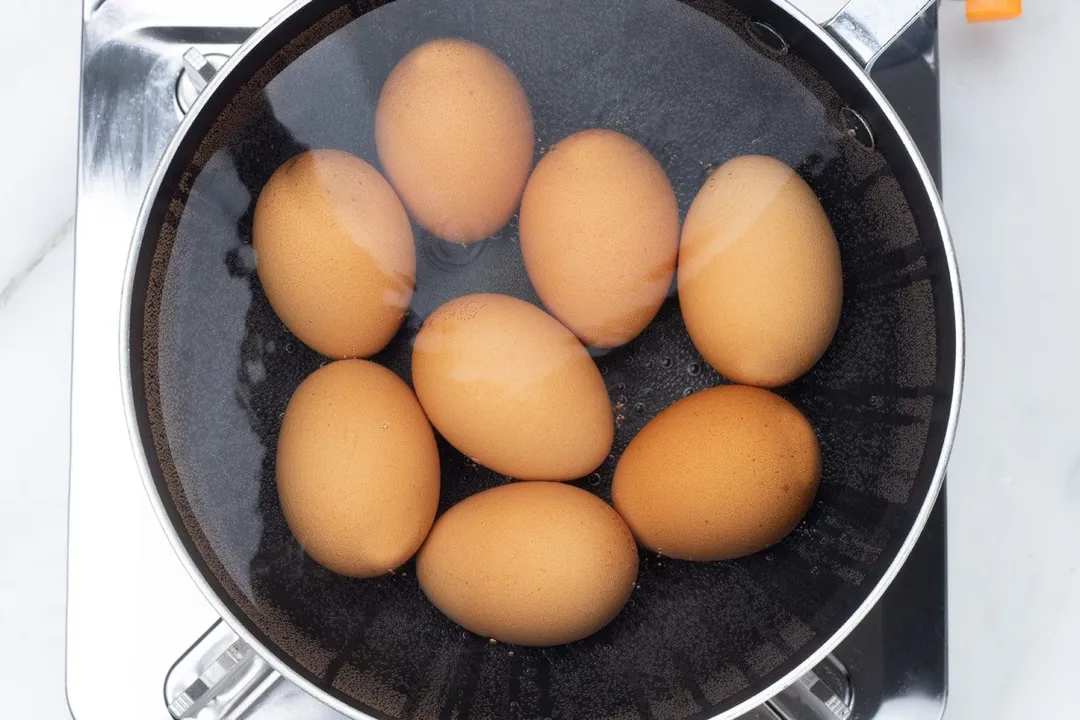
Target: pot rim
238, 626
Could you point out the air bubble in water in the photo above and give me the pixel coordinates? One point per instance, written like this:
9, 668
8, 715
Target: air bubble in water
688, 392
640, 408
694, 368
288, 348
667, 362
594, 479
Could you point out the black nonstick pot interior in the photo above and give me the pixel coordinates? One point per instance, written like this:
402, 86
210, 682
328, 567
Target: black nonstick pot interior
213, 368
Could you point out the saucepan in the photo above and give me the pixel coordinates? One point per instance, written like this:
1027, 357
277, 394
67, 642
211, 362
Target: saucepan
209, 368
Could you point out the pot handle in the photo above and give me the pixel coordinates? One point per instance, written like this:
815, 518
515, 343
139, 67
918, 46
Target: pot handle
214, 677
867, 27
824, 693
222, 678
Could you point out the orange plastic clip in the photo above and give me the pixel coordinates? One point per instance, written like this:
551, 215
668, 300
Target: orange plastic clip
993, 10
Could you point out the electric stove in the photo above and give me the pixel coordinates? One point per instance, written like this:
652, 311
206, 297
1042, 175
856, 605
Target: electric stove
142, 642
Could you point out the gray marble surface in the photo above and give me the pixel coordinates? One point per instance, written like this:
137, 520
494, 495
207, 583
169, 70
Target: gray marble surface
1009, 98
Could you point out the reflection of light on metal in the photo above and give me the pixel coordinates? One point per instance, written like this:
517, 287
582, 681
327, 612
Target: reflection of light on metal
910, 707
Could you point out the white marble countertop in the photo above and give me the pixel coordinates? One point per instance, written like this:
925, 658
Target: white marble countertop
1009, 95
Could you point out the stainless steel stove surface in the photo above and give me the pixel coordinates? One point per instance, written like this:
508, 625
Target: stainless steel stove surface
142, 641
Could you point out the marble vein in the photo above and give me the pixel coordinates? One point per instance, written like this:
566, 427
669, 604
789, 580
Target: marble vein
58, 237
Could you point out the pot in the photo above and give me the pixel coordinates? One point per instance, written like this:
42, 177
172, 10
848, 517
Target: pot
208, 367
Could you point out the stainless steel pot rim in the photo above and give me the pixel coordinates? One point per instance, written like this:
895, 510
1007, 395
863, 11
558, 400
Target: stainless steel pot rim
345, 709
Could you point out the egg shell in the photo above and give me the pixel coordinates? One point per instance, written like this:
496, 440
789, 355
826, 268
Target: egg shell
357, 469
530, 564
513, 389
335, 254
723, 473
760, 283
454, 133
600, 235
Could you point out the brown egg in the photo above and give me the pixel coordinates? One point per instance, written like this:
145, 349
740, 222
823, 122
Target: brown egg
357, 469
723, 473
512, 389
759, 273
455, 136
530, 564
600, 234
335, 254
